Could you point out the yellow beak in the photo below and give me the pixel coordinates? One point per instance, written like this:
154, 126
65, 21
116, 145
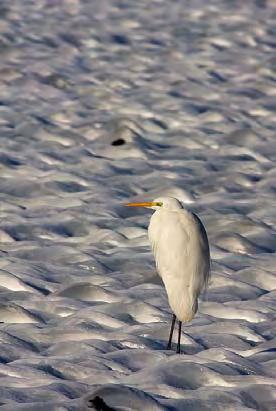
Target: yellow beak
147, 204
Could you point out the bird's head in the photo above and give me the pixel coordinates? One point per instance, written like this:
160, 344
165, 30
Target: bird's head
168, 203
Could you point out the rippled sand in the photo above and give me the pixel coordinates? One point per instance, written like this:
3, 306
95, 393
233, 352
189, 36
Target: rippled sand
112, 101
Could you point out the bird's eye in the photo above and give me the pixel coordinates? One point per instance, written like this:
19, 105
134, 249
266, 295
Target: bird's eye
159, 204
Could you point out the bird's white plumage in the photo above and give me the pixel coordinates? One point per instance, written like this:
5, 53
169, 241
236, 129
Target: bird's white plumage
181, 250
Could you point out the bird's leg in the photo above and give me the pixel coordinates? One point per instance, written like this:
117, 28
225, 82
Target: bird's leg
179, 337
171, 333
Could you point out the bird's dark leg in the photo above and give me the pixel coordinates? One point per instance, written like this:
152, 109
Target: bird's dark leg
169, 346
179, 337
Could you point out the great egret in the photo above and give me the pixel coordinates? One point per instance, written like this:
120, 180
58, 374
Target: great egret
181, 250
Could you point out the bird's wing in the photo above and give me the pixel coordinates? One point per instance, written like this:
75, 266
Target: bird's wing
204, 251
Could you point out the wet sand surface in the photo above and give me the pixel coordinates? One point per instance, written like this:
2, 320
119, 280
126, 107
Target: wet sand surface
107, 102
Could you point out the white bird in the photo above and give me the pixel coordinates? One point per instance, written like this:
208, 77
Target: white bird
181, 250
